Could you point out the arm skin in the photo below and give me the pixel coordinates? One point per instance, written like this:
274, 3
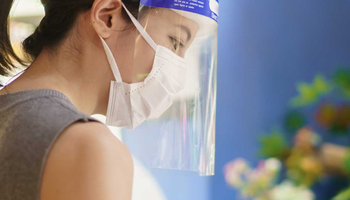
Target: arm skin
87, 162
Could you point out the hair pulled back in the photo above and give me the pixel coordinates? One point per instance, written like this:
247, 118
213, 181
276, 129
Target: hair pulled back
60, 17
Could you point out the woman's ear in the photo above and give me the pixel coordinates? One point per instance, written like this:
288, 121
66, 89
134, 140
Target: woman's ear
105, 17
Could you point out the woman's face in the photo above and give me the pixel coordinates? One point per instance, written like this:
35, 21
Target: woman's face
166, 28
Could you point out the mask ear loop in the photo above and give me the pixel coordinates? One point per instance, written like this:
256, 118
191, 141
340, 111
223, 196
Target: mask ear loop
112, 62
142, 31
109, 53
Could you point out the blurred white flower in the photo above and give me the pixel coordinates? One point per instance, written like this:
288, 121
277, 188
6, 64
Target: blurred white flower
288, 191
252, 182
234, 171
273, 164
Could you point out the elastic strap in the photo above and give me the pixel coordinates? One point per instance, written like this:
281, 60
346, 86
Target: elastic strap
112, 61
142, 31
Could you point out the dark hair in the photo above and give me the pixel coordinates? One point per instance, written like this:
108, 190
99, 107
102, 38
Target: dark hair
59, 19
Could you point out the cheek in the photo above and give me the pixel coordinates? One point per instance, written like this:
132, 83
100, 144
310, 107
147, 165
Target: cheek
124, 55
143, 60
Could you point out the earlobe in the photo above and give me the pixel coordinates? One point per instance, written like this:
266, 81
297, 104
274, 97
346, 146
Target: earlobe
103, 16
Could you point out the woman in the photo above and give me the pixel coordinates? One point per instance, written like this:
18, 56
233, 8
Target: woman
50, 147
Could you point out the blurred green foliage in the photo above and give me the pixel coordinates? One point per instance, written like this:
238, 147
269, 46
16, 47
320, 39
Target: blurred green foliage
310, 93
294, 120
343, 195
346, 163
274, 144
342, 79
330, 98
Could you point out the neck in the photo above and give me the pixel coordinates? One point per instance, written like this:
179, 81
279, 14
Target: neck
83, 80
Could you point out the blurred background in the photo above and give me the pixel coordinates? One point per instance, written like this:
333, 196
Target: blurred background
283, 105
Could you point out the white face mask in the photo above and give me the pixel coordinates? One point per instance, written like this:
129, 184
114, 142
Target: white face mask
131, 104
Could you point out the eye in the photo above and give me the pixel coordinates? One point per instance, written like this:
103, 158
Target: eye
176, 43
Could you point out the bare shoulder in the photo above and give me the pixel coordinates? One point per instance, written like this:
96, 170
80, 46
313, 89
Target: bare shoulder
87, 162
92, 135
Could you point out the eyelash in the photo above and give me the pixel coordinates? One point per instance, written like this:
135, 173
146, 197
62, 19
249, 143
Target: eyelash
172, 39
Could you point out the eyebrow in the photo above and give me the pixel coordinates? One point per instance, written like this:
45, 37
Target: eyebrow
187, 30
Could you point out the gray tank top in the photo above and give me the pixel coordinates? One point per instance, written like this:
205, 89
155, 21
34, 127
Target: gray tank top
30, 122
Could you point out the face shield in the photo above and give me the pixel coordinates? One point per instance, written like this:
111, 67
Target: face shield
168, 103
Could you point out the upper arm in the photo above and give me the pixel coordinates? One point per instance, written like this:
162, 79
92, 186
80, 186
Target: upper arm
87, 162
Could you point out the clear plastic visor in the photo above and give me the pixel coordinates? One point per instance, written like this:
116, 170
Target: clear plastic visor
182, 138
